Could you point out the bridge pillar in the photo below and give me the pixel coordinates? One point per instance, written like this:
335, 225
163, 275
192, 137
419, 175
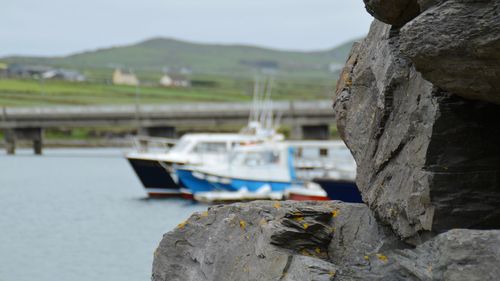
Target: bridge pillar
311, 132
158, 131
30, 134
10, 142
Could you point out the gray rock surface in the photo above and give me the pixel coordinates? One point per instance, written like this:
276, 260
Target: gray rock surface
318, 241
271, 241
456, 46
457, 255
395, 12
427, 160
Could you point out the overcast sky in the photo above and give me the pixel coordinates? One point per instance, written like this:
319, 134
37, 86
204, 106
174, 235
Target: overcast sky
61, 27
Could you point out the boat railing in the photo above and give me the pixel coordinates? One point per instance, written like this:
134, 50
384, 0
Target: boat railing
149, 144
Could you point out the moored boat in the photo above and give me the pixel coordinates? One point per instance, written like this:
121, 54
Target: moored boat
296, 169
340, 189
250, 167
155, 169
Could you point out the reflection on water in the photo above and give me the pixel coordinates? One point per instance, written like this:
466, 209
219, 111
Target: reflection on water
79, 214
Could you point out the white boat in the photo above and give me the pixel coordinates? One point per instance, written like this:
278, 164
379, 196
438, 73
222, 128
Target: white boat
249, 167
154, 168
283, 167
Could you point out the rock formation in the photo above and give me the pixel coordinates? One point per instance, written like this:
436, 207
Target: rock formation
316, 241
428, 159
418, 104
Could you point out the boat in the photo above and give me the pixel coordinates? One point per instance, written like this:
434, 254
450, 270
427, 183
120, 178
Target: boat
250, 167
154, 168
310, 191
243, 195
297, 170
330, 166
340, 189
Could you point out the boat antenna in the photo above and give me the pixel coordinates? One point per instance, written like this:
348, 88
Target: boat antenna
266, 101
254, 111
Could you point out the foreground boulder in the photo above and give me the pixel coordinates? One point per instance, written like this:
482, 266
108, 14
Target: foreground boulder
314, 241
270, 241
428, 160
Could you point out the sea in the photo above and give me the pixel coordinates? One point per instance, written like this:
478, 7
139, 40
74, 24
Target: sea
79, 215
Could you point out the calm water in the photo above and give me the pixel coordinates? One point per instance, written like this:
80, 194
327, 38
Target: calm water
79, 214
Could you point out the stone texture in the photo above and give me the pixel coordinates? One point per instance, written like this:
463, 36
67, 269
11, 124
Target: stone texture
318, 241
457, 255
427, 160
456, 46
395, 12
271, 241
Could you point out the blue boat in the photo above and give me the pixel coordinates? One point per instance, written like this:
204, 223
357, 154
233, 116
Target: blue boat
339, 189
279, 167
252, 168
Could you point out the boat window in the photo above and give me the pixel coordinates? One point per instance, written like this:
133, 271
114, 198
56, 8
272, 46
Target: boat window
310, 152
261, 158
210, 147
323, 152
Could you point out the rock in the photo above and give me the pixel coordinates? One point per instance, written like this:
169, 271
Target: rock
395, 12
458, 255
287, 241
427, 160
456, 46
270, 241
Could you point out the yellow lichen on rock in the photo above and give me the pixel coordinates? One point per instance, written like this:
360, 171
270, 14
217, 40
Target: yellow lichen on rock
277, 205
335, 213
204, 214
305, 226
298, 219
304, 252
381, 257
317, 250
243, 224
182, 224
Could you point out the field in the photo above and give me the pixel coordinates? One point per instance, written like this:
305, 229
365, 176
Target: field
219, 73
223, 89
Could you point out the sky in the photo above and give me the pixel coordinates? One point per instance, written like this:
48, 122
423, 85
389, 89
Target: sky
62, 27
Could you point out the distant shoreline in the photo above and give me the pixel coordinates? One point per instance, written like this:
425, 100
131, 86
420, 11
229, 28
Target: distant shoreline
61, 143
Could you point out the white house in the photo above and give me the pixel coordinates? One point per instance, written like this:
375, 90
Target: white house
171, 80
121, 77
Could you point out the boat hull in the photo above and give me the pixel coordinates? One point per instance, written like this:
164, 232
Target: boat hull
194, 183
342, 190
155, 178
199, 182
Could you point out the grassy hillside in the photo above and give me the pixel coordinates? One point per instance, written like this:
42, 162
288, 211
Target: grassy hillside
229, 71
155, 54
34, 93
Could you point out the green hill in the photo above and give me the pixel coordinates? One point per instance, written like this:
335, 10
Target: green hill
155, 54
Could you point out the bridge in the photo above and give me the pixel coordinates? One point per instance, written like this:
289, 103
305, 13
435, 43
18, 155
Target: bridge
308, 119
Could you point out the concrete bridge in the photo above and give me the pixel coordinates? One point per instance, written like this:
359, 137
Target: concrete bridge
308, 119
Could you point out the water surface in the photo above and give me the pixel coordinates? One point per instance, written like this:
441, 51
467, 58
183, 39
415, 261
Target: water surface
79, 214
